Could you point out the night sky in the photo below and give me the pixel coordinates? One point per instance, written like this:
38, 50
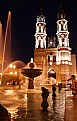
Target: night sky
23, 26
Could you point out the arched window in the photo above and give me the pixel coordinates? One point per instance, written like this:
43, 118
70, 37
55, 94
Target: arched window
48, 58
61, 27
54, 58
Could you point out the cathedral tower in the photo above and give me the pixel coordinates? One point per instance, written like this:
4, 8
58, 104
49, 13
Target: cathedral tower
64, 51
40, 35
40, 40
62, 30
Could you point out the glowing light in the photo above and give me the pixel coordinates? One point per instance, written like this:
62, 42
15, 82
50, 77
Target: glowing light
9, 92
0, 82
14, 66
50, 63
10, 65
62, 62
32, 60
70, 63
66, 62
51, 43
57, 63
25, 97
15, 73
9, 13
11, 72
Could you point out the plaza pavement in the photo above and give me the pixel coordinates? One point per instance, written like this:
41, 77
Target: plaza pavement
63, 108
70, 107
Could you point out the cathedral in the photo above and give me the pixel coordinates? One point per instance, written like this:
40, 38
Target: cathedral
54, 55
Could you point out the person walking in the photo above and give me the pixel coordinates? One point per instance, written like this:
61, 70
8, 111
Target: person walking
74, 85
53, 87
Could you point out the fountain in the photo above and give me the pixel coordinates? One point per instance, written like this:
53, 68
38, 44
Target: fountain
5, 46
31, 72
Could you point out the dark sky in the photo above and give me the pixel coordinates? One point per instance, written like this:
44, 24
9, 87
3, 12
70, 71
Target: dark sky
24, 13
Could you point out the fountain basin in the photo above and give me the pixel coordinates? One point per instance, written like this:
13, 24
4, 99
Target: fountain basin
31, 73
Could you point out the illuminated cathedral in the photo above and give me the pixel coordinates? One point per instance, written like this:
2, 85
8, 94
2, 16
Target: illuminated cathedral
56, 60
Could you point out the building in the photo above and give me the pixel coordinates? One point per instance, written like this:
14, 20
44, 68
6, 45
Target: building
56, 60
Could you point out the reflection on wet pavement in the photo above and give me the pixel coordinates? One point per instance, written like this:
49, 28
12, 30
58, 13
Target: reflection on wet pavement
71, 107
27, 106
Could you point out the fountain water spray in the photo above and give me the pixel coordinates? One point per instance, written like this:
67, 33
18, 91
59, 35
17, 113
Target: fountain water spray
1, 49
8, 31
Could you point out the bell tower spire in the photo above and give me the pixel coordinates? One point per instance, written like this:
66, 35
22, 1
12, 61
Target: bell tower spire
40, 35
62, 29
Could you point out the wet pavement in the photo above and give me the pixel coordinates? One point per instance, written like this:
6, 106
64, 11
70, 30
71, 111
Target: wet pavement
25, 106
71, 107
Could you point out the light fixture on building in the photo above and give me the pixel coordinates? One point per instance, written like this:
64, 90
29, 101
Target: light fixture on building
50, 63
58, 63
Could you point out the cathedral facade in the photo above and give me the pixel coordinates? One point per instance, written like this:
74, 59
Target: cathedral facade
56, 60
